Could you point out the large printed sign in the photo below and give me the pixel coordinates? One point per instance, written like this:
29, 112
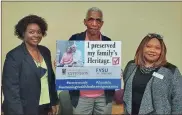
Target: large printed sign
88, 65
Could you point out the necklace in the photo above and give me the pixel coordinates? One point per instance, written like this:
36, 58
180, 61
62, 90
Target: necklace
38, 62
147, 70
38, 59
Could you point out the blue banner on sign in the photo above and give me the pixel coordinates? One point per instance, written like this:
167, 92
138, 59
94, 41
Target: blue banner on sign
88, 84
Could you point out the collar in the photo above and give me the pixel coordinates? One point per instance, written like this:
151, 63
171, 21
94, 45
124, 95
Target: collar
87, 39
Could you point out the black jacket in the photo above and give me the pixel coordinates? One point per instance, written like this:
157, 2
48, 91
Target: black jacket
21, 82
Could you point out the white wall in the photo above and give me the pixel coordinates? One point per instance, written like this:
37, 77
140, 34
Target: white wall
126, 21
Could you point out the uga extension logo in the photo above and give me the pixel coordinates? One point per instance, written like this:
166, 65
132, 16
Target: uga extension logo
63, 71
115, 60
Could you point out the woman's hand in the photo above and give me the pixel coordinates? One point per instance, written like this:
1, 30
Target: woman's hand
54, 63
55, 110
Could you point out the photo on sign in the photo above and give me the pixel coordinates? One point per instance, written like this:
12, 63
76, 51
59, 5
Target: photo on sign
70, 54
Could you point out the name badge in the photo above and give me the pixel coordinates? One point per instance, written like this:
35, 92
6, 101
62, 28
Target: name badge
158, 75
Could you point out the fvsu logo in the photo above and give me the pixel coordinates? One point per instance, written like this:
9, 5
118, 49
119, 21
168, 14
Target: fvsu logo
101, 70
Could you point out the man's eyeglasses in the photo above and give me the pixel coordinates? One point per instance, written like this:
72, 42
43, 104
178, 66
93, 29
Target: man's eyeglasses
153, 35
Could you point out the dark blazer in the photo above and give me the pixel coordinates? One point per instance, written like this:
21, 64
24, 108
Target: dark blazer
74, 94
21, 82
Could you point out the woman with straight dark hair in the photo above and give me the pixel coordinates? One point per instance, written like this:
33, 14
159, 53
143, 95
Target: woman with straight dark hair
152, 85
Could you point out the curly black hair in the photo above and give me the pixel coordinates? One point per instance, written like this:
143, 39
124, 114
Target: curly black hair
21, 26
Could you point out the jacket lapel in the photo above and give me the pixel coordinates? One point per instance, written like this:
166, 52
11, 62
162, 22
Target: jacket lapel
128, 88
46, 58
103, 38
82, 36
30, 61
147, 100
147, 103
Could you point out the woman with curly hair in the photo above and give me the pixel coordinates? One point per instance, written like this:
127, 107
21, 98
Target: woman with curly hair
28, 80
